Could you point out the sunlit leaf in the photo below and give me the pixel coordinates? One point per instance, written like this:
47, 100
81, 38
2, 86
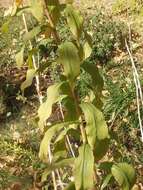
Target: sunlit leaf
29, 78
19, 57
5, 26
48, 137
45, 110
53, 166
129, 172
64, 132
124, 175
84, 168
32, 33
96, 128
69, 58
37, 9
74, 20
87, 46
106, 181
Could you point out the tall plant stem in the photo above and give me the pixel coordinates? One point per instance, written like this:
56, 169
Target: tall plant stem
57, 39
34, 63
54, 32
67, 137
82, 129
40, 98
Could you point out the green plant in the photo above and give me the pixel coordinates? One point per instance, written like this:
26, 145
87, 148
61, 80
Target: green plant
108, 36
133, 6
81, 119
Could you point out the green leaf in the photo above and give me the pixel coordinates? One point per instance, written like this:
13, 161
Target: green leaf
129, 172
57, 165
87, 50
106, 166
71, 186
19, 57
45, 110
37, 9
74, 20
32, 33
48, 137
100, 149
96, 128
97, 80
124, 174
29, 78
70, 107
69, 58
64, 132
84, 168
106, 181
59, 150
87, 46
5, 26
54, 10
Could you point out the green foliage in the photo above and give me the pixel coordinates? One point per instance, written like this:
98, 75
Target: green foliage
84, 169
29, 78
124, 175
108, 36
96, 128
133, 6
87, 120
69, 58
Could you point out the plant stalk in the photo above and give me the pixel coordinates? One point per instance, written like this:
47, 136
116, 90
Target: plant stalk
39, 97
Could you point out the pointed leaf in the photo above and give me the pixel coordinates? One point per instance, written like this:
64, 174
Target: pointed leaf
29, 78
69, 58
64, 132
74, 20
87, 50
97, 80
45, 110
106, 181
5, 26
129, 172
37, 9
124, 175
48, 137
84, 168
87, 46
19, 57
57, 165
32, 33
96, 128
43, 153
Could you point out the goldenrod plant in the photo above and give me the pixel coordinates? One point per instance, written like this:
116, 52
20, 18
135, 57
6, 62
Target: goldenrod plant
82, 119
